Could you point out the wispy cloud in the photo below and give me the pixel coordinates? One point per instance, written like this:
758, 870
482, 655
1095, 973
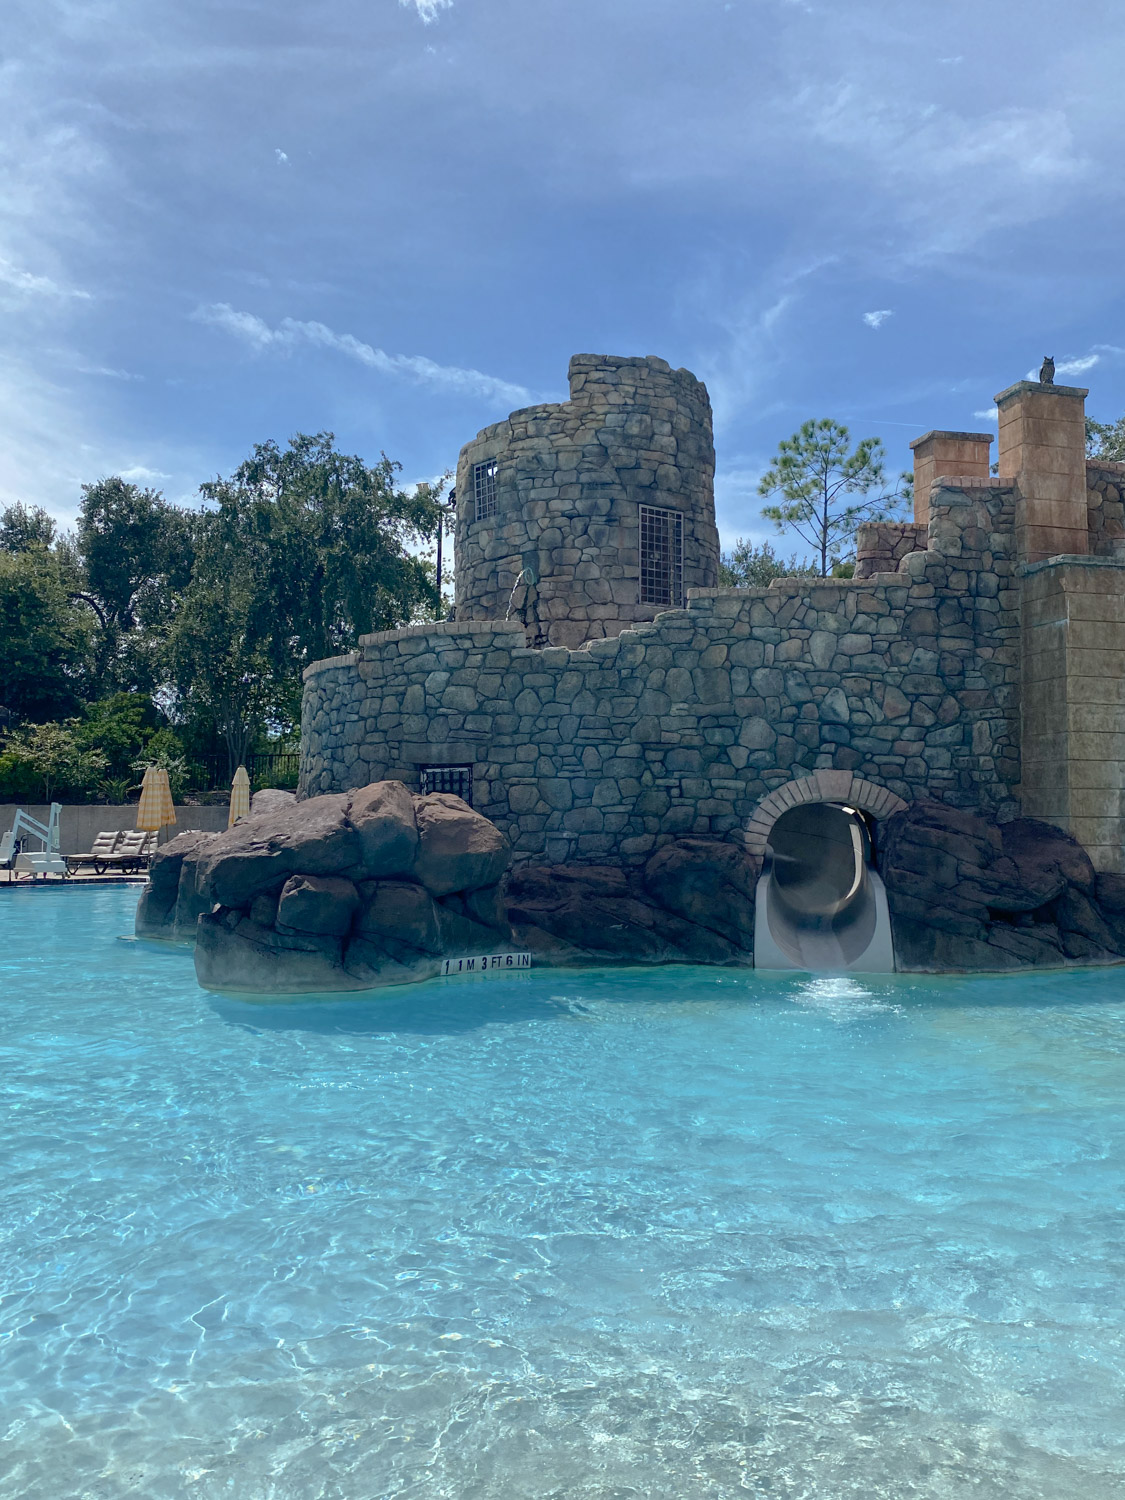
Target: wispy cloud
989, 414
427, 9
878, 318
35, 286
282, 157
1069, 366
291, 334
139, 474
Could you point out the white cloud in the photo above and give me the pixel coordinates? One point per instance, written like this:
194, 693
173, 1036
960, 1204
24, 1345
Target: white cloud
878, 318
427, 9
105, 370
37, 286
138, 474
282, 158
290, 333
990, 414
1069, 366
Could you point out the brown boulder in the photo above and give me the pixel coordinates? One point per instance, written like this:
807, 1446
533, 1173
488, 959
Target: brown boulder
459, 850
312, 837
568, 913
707, 882
967, 892
320, 904
399, 912
383, 817
156, 910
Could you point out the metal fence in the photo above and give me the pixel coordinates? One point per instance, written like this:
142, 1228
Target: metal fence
211, 773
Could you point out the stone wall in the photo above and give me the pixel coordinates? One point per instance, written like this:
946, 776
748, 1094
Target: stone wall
561, 552
680, 726
881, 545
1105, 507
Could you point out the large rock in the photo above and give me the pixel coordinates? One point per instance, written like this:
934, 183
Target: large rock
310, 838
340, 892
383, 817
271, 799
708, 883
157, 911
320, 904
459, 850
693, 904
966, 892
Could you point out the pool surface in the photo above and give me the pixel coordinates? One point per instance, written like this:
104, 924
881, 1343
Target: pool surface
673, 1233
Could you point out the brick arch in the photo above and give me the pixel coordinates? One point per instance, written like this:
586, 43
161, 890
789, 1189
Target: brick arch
821, 786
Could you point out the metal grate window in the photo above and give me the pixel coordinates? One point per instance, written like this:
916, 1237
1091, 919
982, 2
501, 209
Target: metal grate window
455, 779
484, 488
662, 556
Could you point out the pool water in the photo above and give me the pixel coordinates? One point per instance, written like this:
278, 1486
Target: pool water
676, 1233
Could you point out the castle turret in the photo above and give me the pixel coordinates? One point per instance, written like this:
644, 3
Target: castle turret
583, 517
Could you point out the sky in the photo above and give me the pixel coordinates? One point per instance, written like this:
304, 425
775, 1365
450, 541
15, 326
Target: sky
231, 220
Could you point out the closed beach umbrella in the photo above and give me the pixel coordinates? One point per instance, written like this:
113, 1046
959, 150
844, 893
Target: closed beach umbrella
155, 810
239, 796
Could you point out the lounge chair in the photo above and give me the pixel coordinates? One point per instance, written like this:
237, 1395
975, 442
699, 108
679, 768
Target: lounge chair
99, 854
134, 850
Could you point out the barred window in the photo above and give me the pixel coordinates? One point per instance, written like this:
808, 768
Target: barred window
484, 488
662, 556
455, 779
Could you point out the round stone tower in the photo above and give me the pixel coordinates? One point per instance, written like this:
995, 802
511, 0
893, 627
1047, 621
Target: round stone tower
584, 517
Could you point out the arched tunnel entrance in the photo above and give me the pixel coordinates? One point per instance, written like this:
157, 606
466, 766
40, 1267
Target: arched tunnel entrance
820, 904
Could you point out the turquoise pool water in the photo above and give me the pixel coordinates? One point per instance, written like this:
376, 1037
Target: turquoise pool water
681, 1233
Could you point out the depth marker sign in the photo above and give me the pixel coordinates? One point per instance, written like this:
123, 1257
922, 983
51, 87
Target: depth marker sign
486, 963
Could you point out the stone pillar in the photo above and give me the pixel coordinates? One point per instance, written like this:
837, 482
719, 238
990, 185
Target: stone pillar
946, 455
1073, 702
1043, 449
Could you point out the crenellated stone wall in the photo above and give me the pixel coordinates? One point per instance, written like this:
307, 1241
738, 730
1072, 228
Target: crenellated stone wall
908, 679
560, 553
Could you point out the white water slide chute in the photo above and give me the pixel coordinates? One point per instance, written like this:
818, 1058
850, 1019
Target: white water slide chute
820, 905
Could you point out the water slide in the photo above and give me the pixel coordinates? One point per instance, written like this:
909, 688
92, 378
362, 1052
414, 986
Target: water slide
820, 906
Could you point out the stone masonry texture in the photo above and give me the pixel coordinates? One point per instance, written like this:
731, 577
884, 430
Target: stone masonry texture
597, 736
561, 549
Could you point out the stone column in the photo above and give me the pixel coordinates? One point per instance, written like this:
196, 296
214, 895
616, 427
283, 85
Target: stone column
946, 455
1043, 449
1073, 701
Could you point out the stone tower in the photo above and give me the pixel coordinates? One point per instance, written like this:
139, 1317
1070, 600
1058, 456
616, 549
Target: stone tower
581, 518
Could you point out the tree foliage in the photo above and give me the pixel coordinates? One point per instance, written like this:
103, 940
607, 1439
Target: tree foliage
749, 565
825, 489
1106, 440
210, 613
43, 663
53, 755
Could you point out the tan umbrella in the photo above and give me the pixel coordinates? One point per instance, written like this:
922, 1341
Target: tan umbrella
239, 797
155, 810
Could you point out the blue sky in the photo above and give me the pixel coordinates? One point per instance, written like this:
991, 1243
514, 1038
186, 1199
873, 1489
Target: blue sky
227, 220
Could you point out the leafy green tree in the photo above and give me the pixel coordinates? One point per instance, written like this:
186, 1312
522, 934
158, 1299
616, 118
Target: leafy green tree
751, 566
1106, 440
53, 754
24, 527
299, 553
121, 727
135, 551
219, 648
45, 652
825, 489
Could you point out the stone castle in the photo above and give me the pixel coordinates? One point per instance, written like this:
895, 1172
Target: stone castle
598, 696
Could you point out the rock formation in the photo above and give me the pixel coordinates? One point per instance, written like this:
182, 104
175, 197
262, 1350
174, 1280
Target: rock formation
377, 886
966, 892
344, 892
